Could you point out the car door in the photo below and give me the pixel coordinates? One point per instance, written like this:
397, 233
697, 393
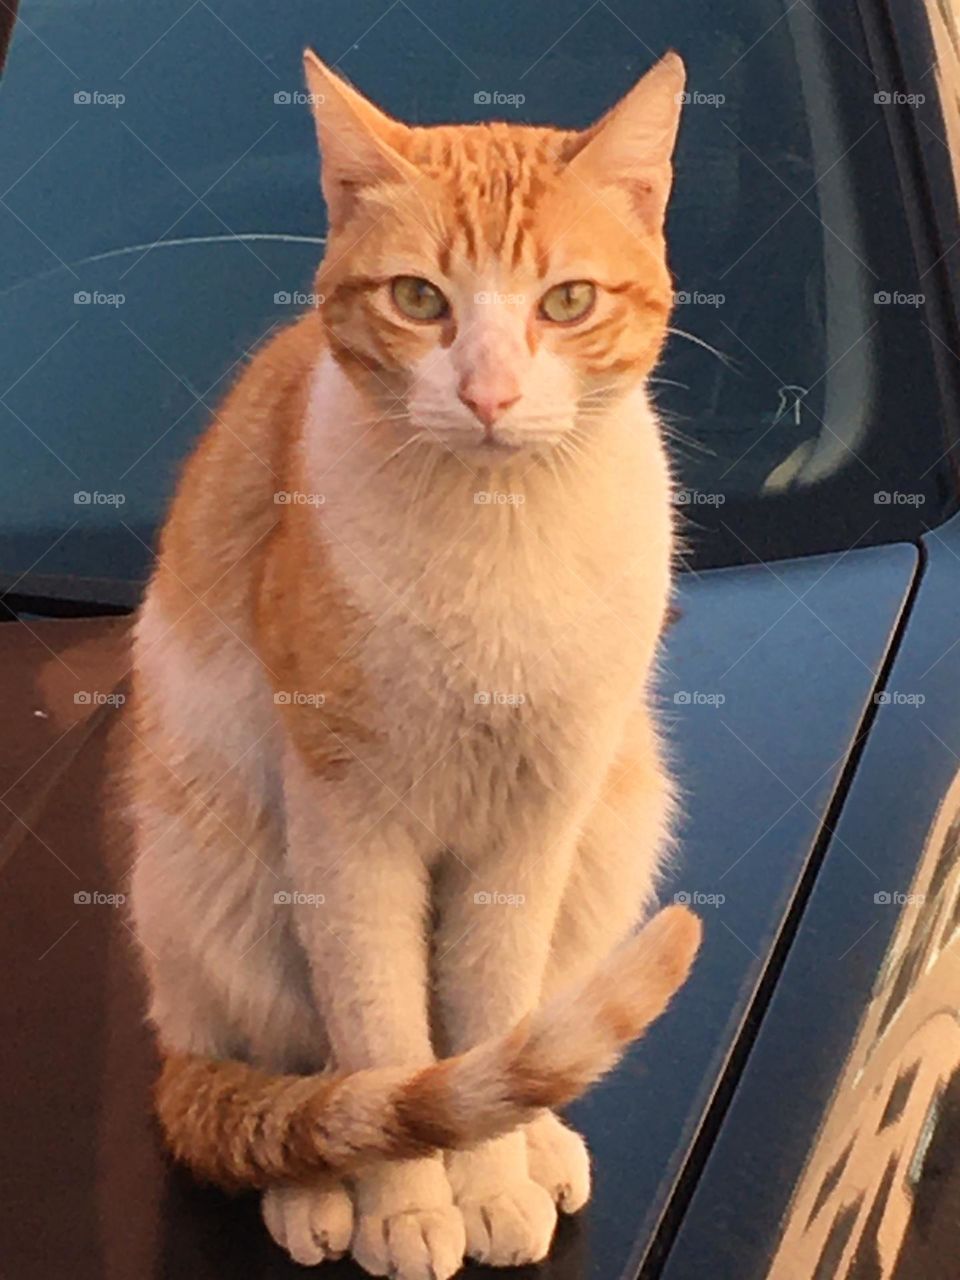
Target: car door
837, 1157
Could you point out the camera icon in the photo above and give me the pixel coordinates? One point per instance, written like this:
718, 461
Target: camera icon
883, 98
281, 299
882, 498
82, 97
282, 699
81, 498
882, 298
282, 898
681, 99
482, 98
682, 698
82, 297
682, 898
283, 98
282, 498
82, 698
681, 299
483, 899
481, 699
882, 899
83, 898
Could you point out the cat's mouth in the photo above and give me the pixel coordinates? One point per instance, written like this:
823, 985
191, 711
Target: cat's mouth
494, 443
493, 440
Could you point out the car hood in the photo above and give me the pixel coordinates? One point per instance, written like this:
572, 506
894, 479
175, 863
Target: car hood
767, 677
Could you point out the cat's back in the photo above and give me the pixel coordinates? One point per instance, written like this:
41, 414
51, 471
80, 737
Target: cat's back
227, 501
199, 689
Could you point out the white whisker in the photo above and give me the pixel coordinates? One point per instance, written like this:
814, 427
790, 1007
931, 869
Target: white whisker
699, 342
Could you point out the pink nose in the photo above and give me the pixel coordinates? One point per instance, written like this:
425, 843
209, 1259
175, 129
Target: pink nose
488, 404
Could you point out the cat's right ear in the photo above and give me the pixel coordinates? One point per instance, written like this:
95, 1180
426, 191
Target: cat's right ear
632, 145
360, 145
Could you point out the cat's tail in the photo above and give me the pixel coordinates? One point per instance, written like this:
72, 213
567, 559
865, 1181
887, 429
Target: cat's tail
236, 1126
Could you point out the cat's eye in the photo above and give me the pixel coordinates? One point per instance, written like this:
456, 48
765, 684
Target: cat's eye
418, 298
567, 302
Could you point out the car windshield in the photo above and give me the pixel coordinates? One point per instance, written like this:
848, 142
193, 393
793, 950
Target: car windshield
162, 216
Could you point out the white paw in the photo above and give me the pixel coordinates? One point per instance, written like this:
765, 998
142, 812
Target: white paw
408, 1227
418, 1244
313, 1223
509, 1227
559, 1161
509, 1218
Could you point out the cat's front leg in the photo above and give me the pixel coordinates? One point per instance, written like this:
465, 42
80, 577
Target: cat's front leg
611, 886
361, 898
313, 1222
492, 948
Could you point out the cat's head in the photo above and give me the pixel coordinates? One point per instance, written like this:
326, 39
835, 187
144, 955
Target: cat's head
493, 285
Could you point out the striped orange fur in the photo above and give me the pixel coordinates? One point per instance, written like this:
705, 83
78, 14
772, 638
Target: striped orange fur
236, 1126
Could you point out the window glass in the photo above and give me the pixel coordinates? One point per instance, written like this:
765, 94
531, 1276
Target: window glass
162, 215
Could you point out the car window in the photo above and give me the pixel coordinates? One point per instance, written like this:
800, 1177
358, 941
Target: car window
162, 216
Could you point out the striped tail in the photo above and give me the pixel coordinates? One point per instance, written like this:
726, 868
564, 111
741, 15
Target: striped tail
236, 1126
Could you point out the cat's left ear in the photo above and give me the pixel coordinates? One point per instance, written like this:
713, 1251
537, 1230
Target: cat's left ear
632, 145
360, 145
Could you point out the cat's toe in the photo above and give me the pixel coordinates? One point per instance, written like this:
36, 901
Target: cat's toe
313, 1223
408, 1227
558, 1160
511, 1226
419, 1244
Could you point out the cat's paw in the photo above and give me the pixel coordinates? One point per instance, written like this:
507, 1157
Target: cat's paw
408, 1227
313, 1223
509, 1218
558, 1160
509, 1227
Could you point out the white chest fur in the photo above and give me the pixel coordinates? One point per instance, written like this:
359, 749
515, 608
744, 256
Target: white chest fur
514, 590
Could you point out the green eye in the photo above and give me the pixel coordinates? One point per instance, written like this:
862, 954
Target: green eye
567, 302
419, 299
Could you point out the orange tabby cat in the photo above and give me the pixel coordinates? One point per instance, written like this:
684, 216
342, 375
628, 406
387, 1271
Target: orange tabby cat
398, 788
